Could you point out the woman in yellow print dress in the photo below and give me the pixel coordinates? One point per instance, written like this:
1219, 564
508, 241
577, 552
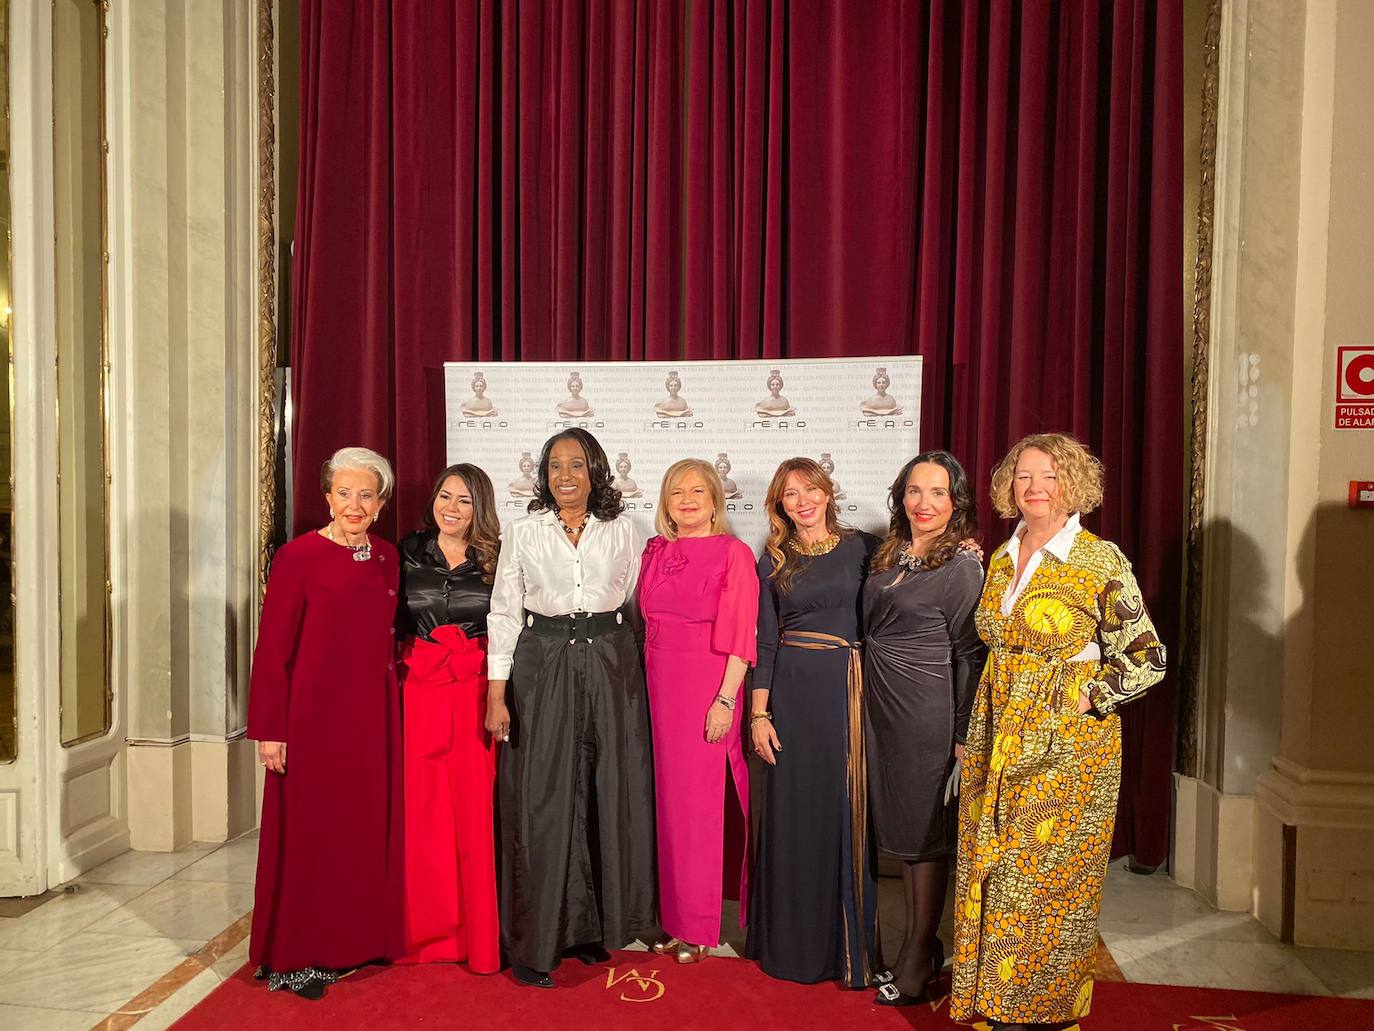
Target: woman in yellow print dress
1069, 642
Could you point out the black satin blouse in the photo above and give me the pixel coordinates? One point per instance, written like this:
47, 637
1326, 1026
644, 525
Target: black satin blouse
432, 595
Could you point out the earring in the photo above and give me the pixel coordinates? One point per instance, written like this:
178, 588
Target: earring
713, 517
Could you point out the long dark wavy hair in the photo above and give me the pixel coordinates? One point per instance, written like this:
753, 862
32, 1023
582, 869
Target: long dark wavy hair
963, 521
604, 501
485, 535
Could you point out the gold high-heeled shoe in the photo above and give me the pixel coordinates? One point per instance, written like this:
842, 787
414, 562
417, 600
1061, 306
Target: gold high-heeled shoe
666, 946
692, 953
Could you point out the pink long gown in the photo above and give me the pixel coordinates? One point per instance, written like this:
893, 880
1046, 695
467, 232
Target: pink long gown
700, 598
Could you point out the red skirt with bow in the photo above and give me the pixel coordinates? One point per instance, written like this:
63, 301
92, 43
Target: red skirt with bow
450, 770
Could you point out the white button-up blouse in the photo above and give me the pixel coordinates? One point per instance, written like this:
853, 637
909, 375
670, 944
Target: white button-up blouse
540, 571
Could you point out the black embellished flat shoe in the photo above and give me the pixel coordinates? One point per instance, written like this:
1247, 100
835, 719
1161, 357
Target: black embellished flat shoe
882, 977
890, 995
589, 954
308, 983
312, 989
532, 978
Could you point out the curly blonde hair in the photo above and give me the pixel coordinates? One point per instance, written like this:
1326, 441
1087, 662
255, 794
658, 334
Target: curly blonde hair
1080, 474
665, 526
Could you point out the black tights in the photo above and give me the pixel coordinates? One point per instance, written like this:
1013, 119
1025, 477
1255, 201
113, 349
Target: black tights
923, 884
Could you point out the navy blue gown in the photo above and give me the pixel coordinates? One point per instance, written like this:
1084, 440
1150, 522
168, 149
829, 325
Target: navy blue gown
813, 899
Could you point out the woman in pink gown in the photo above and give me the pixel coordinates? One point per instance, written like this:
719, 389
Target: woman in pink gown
699, 595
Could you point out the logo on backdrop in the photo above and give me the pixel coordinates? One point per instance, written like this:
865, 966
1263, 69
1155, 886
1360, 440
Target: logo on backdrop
574, 406
478, 406
881, 403
827, 465
728, 485
524, 486
774, 406
627, 487
672, 406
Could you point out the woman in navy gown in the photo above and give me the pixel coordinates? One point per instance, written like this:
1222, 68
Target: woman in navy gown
813, 913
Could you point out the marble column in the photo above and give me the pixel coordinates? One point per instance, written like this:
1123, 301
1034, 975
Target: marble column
1254, 265
189, 530
1280, 817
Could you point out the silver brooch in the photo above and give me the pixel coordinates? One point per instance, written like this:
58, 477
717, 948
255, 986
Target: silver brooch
907, 560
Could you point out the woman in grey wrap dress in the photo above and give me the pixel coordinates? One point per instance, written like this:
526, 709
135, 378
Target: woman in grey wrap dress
922, 660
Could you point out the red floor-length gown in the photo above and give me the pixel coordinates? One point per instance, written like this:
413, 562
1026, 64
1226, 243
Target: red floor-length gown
328, 890
450, 762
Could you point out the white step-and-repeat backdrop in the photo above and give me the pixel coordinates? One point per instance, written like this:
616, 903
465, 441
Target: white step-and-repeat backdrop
860, 418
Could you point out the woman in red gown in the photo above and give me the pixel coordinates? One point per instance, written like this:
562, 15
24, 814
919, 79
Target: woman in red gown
328, 891
450, 759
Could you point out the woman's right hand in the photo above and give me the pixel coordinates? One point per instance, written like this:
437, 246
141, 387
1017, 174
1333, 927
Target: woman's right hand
765, 741
272, 754
498, 715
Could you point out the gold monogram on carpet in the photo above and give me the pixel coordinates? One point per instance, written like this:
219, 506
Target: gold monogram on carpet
647, 987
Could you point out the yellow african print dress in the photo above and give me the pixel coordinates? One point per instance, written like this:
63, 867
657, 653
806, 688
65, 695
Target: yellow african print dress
1039, 788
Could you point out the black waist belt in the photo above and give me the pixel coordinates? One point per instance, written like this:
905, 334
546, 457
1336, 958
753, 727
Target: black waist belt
578, 626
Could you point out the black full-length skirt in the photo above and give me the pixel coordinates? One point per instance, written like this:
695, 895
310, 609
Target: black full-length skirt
576, 798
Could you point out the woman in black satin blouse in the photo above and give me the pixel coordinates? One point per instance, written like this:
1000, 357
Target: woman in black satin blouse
450, 760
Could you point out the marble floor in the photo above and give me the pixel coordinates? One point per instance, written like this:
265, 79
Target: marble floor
141, 939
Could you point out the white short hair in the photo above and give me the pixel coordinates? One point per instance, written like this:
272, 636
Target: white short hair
360, 458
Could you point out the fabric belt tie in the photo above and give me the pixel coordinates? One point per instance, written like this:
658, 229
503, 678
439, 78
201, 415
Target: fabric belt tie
1090, 652
1057, 665
858, 766
448, 654
440, 673
575, 627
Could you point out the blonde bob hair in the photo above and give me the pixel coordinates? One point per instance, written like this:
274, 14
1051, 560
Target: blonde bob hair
664, 524
359, 459
1079, 471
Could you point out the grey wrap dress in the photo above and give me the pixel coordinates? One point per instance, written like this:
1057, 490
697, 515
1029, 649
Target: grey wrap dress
922, 660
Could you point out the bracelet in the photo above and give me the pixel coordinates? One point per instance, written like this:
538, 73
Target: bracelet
729, 703
765, 715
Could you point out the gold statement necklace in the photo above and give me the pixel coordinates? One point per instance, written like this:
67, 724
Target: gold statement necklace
821, 547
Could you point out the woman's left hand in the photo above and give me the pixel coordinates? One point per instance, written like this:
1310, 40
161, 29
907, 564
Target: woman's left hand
959, 752
969, 544
719, 719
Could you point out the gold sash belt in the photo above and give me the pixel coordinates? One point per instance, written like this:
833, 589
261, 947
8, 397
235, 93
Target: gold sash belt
858, 768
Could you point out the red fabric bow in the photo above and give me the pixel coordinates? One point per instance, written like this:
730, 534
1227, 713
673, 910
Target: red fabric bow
451, 655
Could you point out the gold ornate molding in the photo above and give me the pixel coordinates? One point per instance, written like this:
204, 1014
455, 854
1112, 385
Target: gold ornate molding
1201, 353
267, 286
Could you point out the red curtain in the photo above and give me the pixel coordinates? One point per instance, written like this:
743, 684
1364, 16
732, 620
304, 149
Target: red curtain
993, 186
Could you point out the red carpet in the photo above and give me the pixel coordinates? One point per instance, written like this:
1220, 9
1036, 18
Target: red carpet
643, 991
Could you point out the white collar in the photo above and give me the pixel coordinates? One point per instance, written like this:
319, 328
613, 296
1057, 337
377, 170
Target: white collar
1059, 545
550, 515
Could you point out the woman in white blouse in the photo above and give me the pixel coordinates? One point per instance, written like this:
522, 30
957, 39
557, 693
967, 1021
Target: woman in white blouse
567, 698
